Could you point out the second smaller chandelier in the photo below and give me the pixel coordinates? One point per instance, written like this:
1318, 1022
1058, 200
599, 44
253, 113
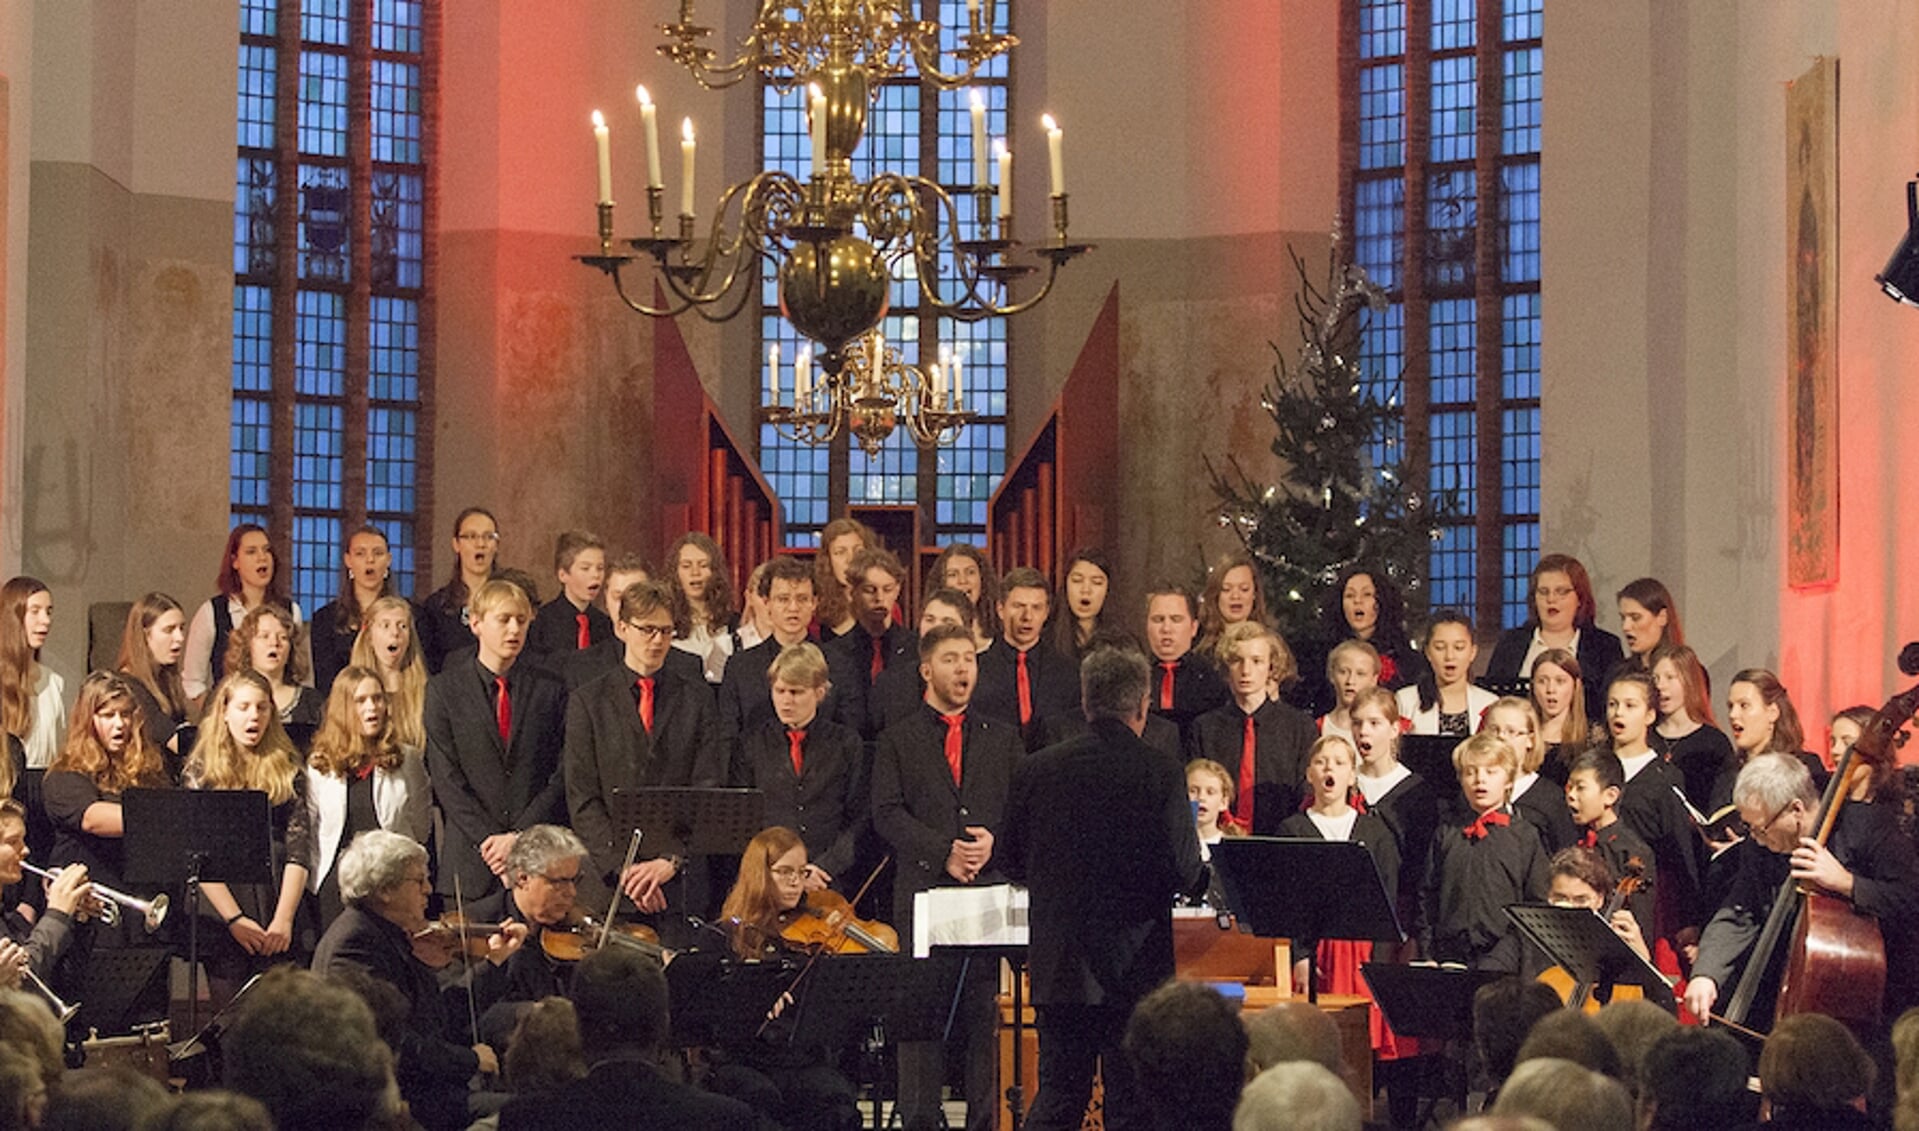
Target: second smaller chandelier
873, 392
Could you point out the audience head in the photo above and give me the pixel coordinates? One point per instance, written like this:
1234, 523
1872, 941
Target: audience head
1292, 1030
875, 577
1113, 685
1694, 1079
1682, 683
1648, 617
208, 1111
1760, 716
1503, 1013
1777, 799
1905, 1054
1570, 1034
1566, 1095
1297, 1096
247, 563
1172, 620
1632, 1025
544, 1054
32, 1056
103, 1099
308, 1050
1811, 1064
1562, 595
620, 996
1188, 1052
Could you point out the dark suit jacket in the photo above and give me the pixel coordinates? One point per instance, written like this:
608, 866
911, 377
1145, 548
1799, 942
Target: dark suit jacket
1196, 690
1052, 677
1281, 737
920, 812
556, 627
1160, 734
746, 695
580, 667
1598, 651
1102, 905
826, 803
628, 1094
1544, 805
485, 786
897, 693
851, 659
607, 749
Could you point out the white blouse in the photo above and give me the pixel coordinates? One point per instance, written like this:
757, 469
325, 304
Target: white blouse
42, 742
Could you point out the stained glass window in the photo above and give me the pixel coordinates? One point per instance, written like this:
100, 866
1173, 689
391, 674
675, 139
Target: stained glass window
328, 436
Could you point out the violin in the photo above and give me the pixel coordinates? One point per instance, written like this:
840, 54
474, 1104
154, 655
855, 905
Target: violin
442, 940
824, 922
580, 933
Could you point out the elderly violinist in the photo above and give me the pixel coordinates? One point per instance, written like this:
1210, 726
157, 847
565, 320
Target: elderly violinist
384, 933
543, 873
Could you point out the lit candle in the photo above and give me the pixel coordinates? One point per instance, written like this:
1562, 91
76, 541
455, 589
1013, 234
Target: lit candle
940, 370
816, 105
600, 142
803, 371
650, 119
935, 393
1005, 179
1055, 144
979, 141
686, 167
773, 374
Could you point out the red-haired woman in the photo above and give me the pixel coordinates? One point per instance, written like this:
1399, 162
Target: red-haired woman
839, 541
249, 577
1561, 612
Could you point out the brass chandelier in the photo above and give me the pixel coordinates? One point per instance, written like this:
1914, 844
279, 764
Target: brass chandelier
834, 241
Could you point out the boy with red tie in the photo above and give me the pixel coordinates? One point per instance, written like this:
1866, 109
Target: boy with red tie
1475, 870
572, 622
809, 767
1019, 681
940, 782
875, 641
1261, 740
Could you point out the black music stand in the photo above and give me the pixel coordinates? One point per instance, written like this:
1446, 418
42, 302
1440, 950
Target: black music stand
121, 988
1588, 949
195, 836
688, 821
844, 993
1434, 1002
1286, 887
1015, 956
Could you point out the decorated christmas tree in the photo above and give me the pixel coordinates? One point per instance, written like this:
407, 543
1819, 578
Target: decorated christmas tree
1346, 495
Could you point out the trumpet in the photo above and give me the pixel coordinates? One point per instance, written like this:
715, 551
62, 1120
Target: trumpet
60, 1007
152, 911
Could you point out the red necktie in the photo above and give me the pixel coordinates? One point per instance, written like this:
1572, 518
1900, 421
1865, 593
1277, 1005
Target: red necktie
1025, 691
794, 741
1359, 800
502, 708
586, 634
879, 658
955, 742
1248, 747
646, 702
1485, 822
1590, 840
1166, 685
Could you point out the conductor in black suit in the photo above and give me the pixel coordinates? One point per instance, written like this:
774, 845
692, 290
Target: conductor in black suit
940, 778
493, 734
1101, 917
637, 725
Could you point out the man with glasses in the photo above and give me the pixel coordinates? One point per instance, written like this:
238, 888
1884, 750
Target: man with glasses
1866, 861
543, 874
637, 725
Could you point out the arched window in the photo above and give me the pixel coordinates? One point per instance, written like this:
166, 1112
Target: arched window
332, 308
1439, 173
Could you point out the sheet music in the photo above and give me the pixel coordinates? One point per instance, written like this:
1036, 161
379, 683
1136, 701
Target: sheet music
994, 915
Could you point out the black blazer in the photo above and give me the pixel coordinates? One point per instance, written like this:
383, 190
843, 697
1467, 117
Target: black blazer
607, 748
1598, 652
1544, 806
746, 695
583, 665
485, 786
1052, 677
826, 802
1197, 689
1160, 734
920, 812
897, 693
629, 1093
1102, 922
851, 659
1281, 737
556, 627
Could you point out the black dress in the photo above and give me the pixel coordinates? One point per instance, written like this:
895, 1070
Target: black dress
291, 844
1702, 756
67, 794
360, 816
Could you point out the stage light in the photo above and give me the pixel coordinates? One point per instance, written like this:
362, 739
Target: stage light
1900, 279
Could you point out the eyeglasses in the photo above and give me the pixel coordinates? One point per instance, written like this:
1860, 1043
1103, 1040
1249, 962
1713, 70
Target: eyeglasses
1760, 829
571, 881
419, 879
651, 631
788, 875
1558, 594
489, 536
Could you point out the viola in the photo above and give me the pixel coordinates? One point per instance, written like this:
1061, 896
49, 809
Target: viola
579, 935
824, 922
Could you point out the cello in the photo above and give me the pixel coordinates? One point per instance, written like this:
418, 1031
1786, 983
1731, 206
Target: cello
1834, 957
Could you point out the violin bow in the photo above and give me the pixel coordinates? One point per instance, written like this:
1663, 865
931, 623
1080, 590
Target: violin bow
619, 880
466, 962
797, 978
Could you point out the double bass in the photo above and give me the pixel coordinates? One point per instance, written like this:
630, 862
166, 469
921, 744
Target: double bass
1834, 958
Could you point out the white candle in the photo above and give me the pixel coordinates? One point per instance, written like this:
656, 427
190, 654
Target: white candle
650, 120
959, 397
601, 143
1055, 144
686, 167
1005, 179
979, 141
773, 374
935, 380
816, 105
878, 357
803, 371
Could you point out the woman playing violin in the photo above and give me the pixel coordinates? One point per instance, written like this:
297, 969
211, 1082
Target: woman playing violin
798, 1087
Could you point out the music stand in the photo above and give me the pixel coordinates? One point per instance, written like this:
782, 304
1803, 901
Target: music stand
846, 992
119, 987
195, 836
1286, 887
1588, 949
689, 821
1435, 1002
